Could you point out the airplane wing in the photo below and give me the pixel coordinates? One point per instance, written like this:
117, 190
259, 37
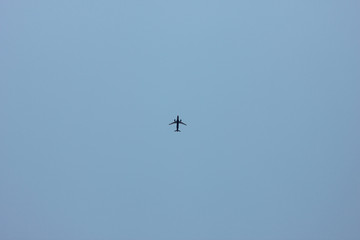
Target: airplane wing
182, 123
172, 122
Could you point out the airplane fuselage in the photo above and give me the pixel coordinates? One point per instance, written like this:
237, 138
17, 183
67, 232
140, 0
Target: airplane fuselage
177, 123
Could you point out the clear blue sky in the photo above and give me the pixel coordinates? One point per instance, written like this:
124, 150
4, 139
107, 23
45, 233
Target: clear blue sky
269, 89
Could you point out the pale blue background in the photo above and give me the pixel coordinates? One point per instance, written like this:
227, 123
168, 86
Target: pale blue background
270, 91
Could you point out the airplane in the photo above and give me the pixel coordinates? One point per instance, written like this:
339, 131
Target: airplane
177, 121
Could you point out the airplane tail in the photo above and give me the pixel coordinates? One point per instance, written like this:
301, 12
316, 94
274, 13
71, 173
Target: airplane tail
177, 131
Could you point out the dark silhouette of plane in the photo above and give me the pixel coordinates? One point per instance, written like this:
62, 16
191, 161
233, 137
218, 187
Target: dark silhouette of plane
177, 121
